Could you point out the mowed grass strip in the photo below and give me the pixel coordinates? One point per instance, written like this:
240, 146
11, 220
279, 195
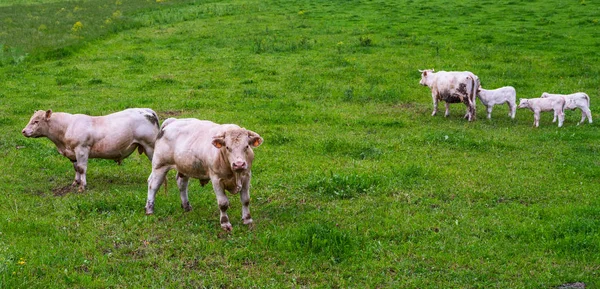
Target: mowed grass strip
355, 186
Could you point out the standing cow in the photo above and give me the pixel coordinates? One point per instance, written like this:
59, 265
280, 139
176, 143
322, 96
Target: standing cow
537, 105
452, 87
79, 137
573, 101
506, 94
206, 151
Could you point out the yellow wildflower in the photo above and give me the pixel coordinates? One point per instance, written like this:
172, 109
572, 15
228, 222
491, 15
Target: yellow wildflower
77, 27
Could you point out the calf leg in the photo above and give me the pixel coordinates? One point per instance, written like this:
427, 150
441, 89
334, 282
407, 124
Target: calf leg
588, 112
81, 153
182, 184
561, 118
223, 202
513, 109
489, 111
536, 119
435, 106
156, 178
585, 112
447, 106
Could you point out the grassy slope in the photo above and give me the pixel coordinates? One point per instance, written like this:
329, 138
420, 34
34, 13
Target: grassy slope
355, 185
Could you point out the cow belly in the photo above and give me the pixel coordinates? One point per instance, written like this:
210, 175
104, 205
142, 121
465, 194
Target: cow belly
115, 152
193, 172
451, 98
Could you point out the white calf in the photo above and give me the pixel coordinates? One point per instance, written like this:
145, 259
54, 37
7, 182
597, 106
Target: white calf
537, 105
502, 95
573, 101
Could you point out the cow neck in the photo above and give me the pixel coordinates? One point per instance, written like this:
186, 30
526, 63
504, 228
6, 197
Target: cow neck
57, 127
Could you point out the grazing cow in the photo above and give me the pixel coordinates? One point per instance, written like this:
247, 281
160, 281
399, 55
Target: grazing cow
452, 87
206, 151
537, 105
79, 137
502, 95
576, 100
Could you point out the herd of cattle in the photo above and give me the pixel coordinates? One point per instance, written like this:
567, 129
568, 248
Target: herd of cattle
222, 154
464, 86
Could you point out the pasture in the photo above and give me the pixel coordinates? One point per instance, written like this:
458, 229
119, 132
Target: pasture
355, 186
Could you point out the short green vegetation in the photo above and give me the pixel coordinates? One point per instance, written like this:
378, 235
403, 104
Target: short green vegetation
355, 186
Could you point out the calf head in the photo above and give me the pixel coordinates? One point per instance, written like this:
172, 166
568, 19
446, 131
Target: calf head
237, 144
38, 124
524, 103
425, 76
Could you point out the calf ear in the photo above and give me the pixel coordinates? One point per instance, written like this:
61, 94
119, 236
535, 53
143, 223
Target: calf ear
254, 139
48, 113
218, 141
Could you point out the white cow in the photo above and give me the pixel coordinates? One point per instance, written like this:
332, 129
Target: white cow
79, 137
537, 105
452, 87
506, 94
207, 151
576, 100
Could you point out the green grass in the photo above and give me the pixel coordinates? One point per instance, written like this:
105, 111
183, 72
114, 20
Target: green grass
355, 186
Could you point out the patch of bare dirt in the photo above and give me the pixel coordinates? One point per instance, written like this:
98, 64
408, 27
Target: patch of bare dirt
61, 191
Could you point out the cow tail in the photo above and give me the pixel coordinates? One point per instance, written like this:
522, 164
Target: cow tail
473, 96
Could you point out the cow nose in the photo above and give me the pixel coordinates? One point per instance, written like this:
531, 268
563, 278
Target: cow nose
239, 165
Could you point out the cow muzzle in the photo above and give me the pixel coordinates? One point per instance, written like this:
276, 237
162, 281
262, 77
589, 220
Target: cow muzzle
26, 133
239, 166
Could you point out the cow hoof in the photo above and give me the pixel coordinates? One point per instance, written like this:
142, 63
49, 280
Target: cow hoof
186, 207
247, 221
81, 189
433, 113
149, 209
226, 227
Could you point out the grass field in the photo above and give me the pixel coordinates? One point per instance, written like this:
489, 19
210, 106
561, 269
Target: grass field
355, 186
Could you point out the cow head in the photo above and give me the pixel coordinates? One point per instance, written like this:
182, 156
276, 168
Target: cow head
237, 144
38, 124
524, 103
425, 76
545, 95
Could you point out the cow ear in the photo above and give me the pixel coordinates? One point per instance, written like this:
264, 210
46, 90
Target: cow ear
425, 73
218, 142
48, 113
254, 139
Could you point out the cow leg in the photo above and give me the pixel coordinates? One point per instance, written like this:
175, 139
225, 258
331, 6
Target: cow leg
77, 180
489, 111
223, 202
245, 199
435, 106
156, 178
447, 106
81, 154
182, 184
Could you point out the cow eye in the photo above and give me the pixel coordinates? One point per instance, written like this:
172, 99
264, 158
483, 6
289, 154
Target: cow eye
36, 122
